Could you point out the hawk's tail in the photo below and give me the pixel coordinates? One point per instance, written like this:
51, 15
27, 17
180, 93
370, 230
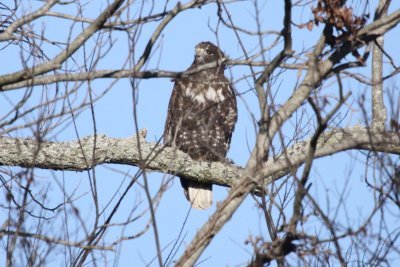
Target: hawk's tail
199, 194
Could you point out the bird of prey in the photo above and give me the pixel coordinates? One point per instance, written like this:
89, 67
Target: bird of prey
201, 117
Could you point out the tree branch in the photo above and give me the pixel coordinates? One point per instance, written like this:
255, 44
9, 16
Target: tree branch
147, 74
54, 240
380, 26
378, 105
8, 33
69, 156
64, 54
78, 156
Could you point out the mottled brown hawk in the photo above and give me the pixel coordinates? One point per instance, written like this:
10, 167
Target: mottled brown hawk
202, 113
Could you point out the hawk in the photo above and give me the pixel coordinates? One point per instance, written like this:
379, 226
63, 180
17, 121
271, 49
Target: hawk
201, 117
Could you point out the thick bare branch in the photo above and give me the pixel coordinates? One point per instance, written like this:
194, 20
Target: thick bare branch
336, 141
380, 26
77, 156
70, 155
378, 105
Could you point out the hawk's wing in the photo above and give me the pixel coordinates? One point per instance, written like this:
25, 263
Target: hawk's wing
174, 107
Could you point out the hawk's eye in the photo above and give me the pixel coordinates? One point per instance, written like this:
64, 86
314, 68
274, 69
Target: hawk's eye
209, 52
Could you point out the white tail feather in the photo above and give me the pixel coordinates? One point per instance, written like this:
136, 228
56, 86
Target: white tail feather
200, 197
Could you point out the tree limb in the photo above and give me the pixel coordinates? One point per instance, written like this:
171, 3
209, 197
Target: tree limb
54, 240
8, 33
69, 156
378, 105
126, 73
57, 61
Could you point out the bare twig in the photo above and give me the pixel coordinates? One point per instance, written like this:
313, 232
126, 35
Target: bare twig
54, 240
57, 61
8, 33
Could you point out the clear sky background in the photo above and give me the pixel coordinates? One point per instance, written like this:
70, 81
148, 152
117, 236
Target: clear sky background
114, 118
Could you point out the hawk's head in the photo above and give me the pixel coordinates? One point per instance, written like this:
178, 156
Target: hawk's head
207, 52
